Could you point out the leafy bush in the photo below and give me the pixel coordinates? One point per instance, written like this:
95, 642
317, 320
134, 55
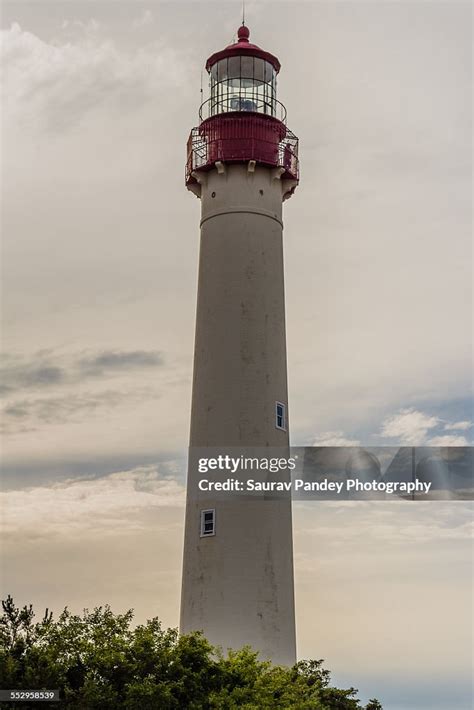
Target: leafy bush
100, 662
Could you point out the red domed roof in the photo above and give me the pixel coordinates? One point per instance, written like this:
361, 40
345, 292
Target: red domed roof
243, 48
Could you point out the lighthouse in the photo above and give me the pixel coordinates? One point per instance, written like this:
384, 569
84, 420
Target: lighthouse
242, 163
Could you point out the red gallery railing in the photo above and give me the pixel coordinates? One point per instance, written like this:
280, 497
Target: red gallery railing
241, 137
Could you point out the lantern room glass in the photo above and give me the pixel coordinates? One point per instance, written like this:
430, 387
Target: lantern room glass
242, 83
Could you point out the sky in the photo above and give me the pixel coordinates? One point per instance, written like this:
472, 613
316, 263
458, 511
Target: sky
99, 272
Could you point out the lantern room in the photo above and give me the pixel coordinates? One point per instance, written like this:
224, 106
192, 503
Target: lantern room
242, 77
242, 120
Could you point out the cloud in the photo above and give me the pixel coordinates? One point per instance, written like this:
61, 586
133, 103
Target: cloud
58, 410
112, 503
88, 27
380, 523
31, 376
448, 440
63, 376
145, 19
334, 438
54, 85
48, 370
109, 361
409, 426
458, 426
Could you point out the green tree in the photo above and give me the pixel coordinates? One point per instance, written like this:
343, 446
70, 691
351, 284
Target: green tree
99, 661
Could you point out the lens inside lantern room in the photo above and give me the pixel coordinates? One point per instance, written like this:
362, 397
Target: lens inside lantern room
242, 84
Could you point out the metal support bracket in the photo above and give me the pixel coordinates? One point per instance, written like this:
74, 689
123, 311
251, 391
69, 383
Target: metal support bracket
277, 173
199, 176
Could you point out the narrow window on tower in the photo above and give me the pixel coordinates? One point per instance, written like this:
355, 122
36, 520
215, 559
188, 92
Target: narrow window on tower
208, 522
280, 416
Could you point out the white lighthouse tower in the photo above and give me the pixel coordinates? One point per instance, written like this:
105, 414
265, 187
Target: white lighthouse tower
242, 163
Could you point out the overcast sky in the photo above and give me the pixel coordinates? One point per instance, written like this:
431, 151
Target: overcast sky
100, 254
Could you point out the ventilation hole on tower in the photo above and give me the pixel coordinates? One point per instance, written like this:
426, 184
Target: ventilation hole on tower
213, 194
261, 192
